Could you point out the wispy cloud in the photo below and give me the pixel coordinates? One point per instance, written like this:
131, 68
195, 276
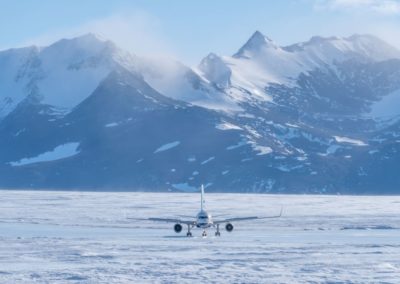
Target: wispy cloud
377, 6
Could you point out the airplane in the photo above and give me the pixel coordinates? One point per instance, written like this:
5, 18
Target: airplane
204, 220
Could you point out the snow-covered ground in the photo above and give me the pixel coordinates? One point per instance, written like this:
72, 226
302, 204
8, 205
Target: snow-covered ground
84, 237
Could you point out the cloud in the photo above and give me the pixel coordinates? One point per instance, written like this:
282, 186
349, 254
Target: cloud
138, 32
385, 7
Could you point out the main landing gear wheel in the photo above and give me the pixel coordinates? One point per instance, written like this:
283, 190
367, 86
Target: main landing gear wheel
217, 233
188, 234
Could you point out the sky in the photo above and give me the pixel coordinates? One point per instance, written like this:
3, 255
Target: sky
189, 30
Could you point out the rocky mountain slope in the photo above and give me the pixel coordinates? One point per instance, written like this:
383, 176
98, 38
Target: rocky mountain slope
313, 117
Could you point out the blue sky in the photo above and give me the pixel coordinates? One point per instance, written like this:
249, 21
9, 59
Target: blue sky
189, 30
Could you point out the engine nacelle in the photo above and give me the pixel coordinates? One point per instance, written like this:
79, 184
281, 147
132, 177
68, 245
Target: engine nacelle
178, 228
229, 227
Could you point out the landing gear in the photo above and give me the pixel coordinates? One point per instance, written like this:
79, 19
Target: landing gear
189, 234
204, 234
217, 233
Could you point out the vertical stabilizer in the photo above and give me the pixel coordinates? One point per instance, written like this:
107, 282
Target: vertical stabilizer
202, 197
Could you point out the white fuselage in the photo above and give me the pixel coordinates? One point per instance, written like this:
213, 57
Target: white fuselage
203, 220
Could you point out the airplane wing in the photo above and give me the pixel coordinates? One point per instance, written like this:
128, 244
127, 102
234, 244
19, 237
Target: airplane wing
171, 220
235, 219
246, 218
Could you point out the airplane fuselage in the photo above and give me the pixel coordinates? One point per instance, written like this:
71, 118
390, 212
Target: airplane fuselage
204, 220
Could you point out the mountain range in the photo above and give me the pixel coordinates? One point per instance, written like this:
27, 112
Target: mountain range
321, 116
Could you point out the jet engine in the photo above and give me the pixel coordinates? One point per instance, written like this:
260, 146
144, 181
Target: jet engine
178, 228
229, 227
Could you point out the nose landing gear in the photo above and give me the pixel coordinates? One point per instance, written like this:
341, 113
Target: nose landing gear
204, 233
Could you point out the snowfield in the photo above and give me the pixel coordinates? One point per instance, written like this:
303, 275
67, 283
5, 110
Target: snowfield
60, 152
168, 146
351, 141
86, 237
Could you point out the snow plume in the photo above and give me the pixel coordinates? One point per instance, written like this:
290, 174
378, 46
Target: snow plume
138, 32
378, 6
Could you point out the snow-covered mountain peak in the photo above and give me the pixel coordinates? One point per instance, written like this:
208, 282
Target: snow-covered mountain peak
373, 47
61, 74
330, 49
261, 62
211, 57
320, 39
255, 44
89, 39
14, 64
175, 80
93, 48
258, 38
215, 70
78, 48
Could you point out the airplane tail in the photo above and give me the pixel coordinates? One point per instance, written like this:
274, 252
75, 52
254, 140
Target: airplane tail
202, 197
